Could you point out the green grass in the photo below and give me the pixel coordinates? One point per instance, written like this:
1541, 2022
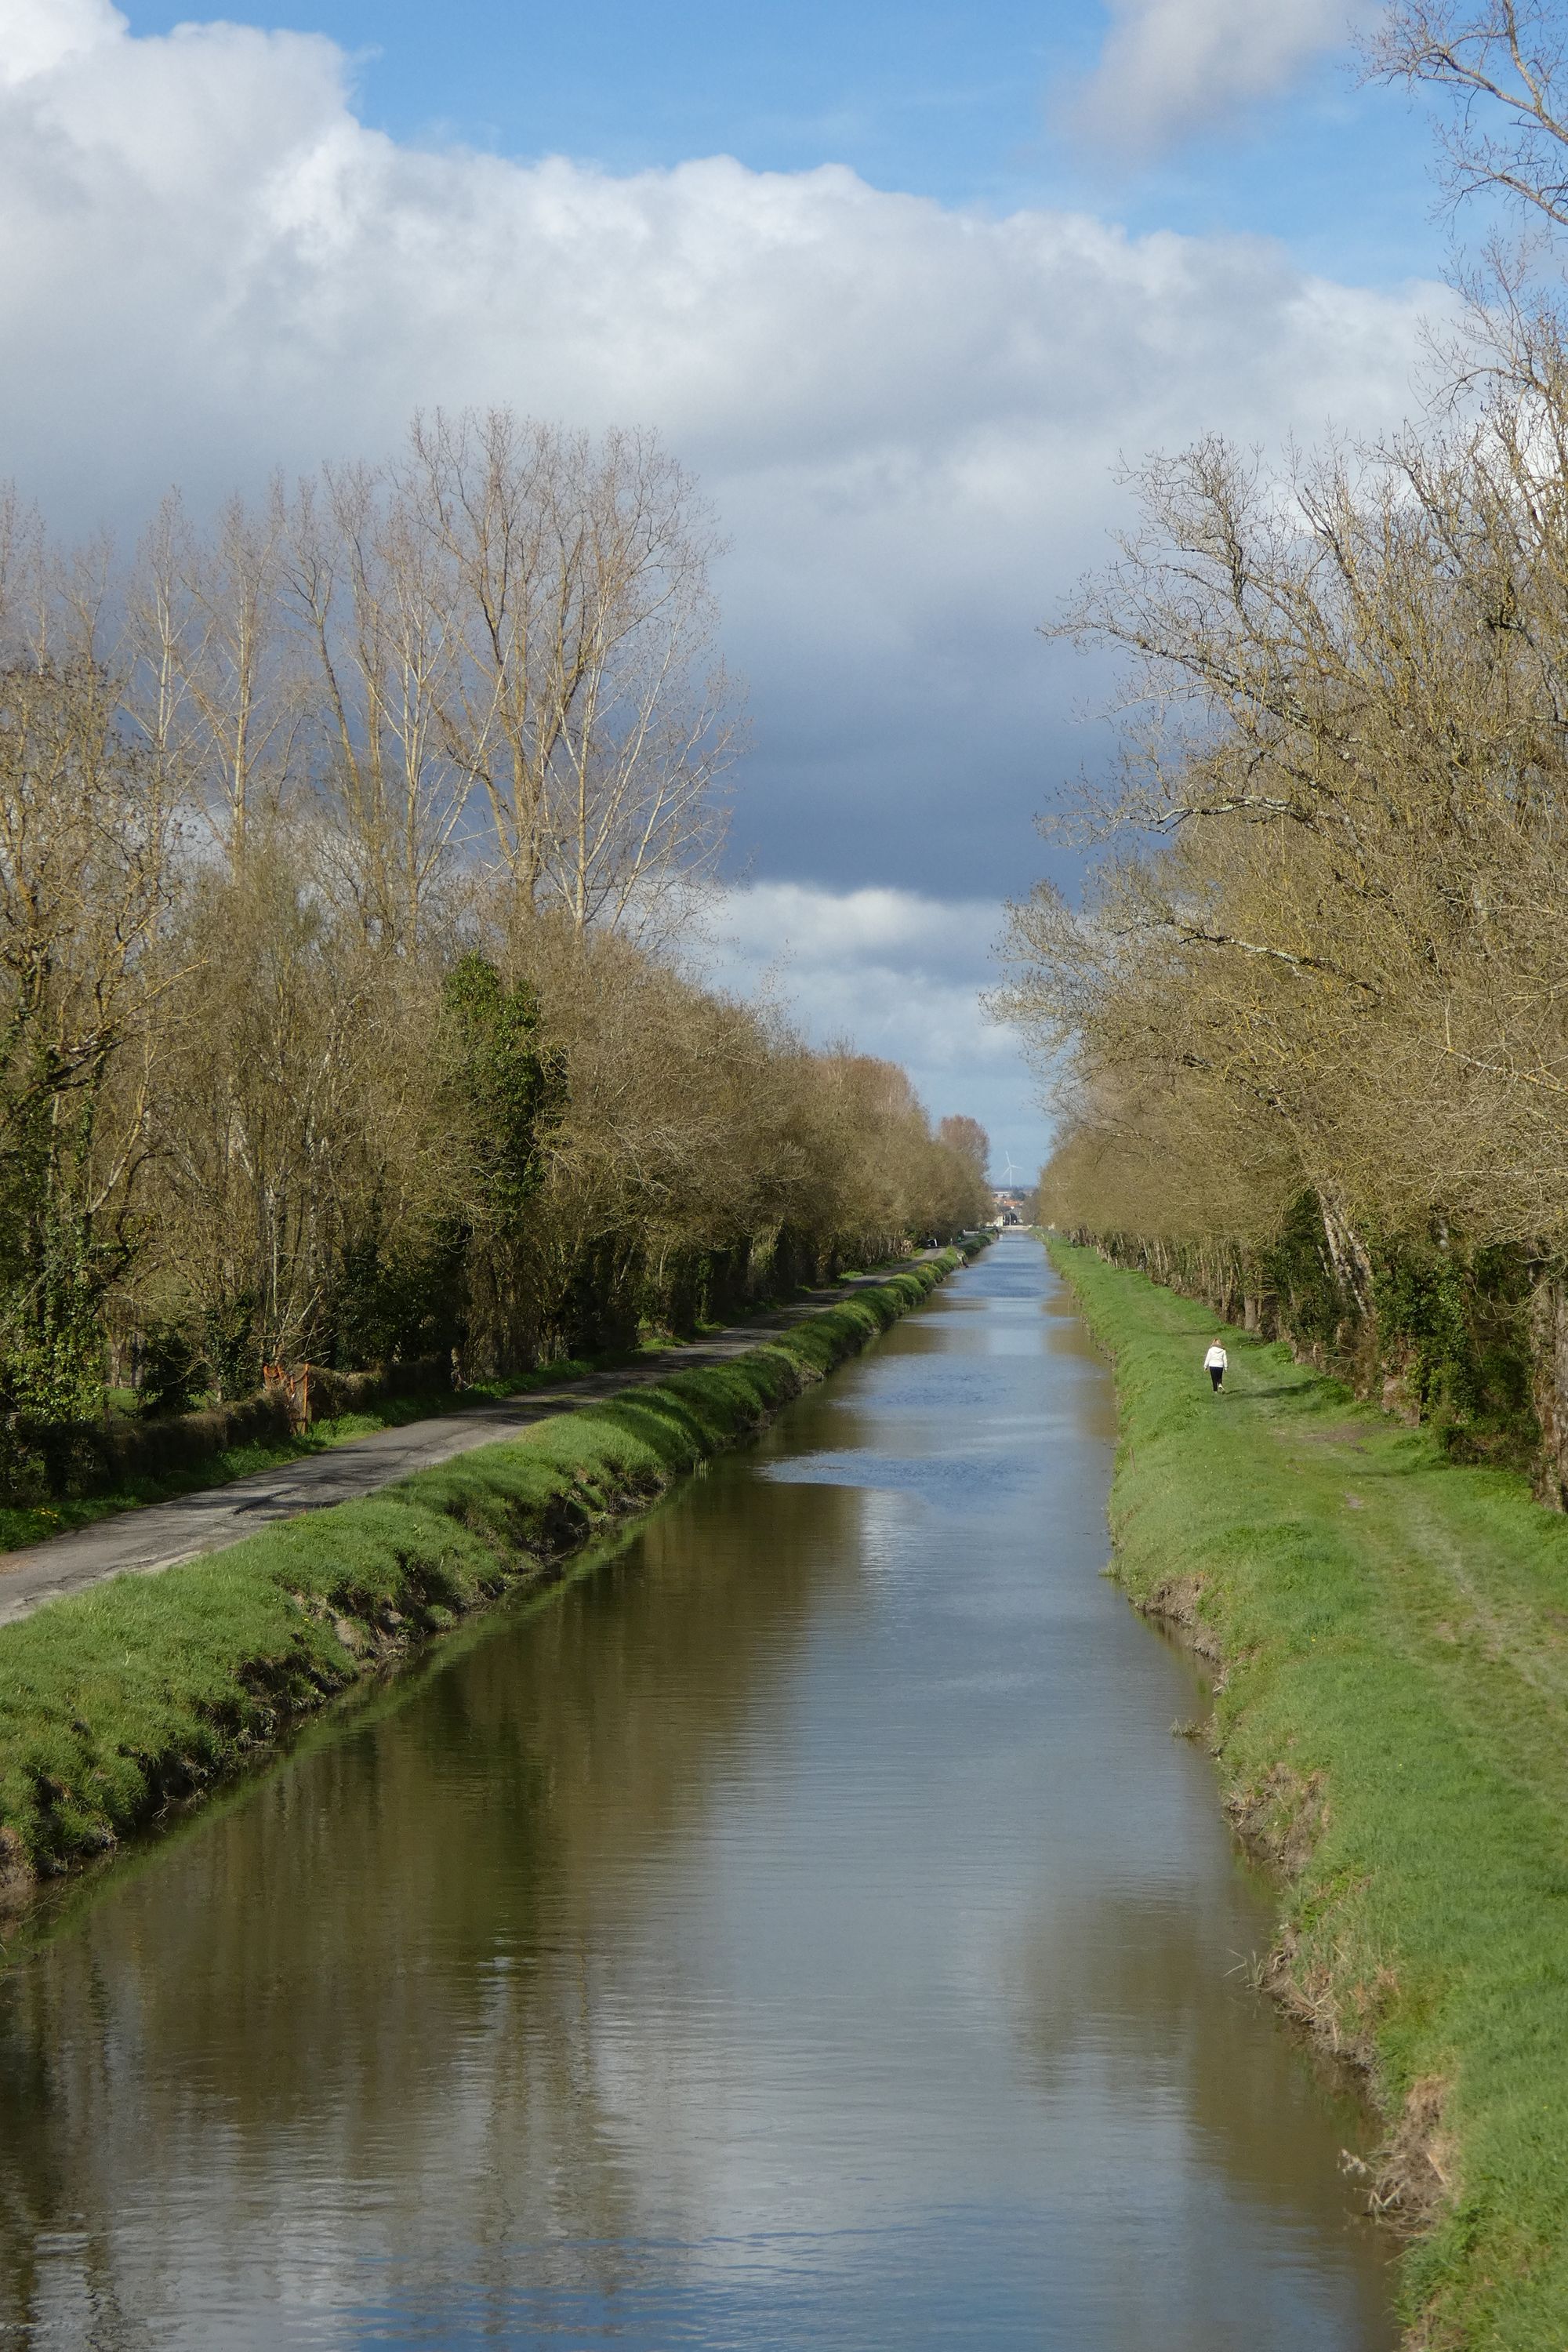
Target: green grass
148, 1688
1392, 1724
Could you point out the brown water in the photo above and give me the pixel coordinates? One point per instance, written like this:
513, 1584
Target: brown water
802, 1931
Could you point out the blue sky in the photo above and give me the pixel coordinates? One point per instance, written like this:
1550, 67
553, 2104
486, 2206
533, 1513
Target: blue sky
958, 264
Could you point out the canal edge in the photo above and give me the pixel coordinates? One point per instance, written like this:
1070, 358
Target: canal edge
1277, 1816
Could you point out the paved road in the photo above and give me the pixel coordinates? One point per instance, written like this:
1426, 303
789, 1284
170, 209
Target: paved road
142, 1542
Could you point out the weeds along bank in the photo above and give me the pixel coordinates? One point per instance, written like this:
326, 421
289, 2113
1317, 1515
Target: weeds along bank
150, 1687
346, 845
1391, 1723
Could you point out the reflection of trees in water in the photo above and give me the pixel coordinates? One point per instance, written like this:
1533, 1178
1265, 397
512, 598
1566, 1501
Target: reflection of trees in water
1125, 2009
1133, 1985
1124, 2014
410, 1957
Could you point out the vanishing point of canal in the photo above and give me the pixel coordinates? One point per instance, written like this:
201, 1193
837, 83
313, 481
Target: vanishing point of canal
802, 1930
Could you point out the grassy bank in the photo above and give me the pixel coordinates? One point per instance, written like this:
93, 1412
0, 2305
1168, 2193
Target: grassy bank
1392, 1724
146, 1688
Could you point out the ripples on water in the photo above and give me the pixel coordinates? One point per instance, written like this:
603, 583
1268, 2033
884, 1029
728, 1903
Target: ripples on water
802, 1932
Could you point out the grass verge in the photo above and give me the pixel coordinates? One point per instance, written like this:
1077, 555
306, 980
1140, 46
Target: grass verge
1392, 1724
30, 1523
145, 1689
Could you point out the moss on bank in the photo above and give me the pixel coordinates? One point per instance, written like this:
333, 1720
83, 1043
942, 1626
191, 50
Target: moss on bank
1392, 1723
147, 1688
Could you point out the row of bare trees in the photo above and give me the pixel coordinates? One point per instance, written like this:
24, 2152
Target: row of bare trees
345, 846
505, 635
1324, 955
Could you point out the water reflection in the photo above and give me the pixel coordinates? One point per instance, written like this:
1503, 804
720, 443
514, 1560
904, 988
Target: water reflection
803, 1932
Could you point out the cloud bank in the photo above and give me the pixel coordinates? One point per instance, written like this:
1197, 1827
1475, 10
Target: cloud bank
907, 413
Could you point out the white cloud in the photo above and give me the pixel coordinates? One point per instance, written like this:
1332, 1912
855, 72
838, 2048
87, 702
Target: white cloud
39, 34
1170, 67
901, 975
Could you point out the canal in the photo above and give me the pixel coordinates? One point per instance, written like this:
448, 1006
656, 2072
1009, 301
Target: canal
802, 1930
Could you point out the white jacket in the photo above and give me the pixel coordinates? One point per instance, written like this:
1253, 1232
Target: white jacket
1216, 1355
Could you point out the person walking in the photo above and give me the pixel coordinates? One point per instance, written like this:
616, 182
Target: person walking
1216, 1363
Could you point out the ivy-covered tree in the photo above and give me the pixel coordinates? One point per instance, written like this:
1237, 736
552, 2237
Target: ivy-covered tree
508, 1087
511, 1084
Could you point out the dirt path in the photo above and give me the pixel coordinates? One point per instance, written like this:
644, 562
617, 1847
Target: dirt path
141, 1542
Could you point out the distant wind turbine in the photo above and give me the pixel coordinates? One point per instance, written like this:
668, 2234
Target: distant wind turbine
1012, 1171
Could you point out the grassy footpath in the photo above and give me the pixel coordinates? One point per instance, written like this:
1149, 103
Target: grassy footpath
1393, 1727
145, 1689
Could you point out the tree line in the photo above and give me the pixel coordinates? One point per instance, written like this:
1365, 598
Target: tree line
1309, 1029
345, 849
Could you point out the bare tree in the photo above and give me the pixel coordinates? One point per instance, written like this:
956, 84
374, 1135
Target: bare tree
374, 599
1498, 62
588, 707
338, 844
1350, 947
211, 687
969, 1139
87, 832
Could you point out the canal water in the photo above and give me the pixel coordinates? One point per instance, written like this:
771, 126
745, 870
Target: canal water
801, 1931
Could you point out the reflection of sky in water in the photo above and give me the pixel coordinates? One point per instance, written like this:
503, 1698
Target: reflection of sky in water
803, 1933
949, 1481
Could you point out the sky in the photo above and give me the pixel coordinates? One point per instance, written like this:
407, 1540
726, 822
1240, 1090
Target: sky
901, 286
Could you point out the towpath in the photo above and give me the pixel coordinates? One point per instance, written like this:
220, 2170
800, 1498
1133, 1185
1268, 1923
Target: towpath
140, 1542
